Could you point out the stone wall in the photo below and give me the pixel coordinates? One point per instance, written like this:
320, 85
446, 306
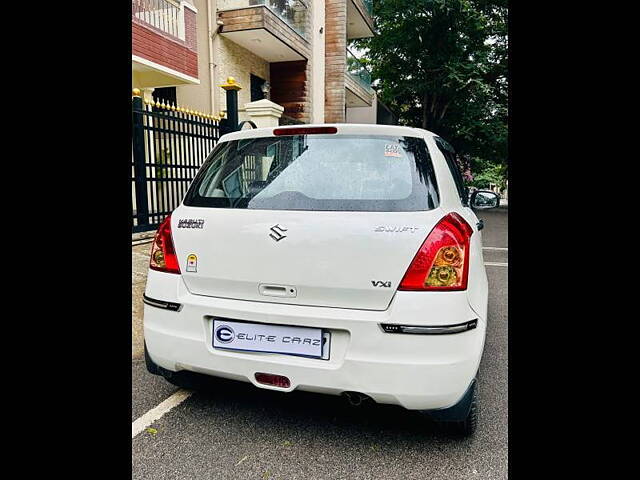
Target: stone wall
335, 60
232, 60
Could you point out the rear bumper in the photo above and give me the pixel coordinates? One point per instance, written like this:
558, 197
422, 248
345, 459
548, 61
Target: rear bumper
415, 371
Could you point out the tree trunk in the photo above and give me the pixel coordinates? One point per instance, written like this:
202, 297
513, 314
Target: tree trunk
444, 110
425, 111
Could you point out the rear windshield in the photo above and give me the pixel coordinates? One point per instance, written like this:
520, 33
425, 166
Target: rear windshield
318, 172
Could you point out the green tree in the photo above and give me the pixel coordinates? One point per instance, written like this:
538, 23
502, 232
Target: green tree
442, 65
488, 173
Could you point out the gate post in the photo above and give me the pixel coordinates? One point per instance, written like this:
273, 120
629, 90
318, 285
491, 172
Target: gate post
264, 113
231, 87
139, 168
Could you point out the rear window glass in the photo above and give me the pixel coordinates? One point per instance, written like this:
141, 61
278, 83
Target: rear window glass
317, 172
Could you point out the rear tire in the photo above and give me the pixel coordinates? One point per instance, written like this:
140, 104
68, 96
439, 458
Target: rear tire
465, 427
151, 366
181, 379
187, 380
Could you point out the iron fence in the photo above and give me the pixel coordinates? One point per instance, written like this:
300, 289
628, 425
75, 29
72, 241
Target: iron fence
169, 145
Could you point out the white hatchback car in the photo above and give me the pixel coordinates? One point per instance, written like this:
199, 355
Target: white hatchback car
340, 259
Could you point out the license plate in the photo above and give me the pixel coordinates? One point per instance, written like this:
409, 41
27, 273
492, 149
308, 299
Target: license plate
262, 337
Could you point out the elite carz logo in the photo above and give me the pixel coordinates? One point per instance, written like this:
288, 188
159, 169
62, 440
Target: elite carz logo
226, 334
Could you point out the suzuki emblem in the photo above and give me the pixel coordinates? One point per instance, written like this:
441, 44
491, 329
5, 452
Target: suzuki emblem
277, 233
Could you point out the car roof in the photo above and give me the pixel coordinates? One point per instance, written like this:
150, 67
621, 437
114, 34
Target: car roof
343, 129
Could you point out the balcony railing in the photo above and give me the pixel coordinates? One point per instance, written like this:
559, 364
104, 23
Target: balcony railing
357, 70
161, 14
368, 4
294, 13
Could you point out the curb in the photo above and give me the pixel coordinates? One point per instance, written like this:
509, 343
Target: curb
136, 237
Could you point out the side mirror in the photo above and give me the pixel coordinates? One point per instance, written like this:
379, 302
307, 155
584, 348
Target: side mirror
484, 199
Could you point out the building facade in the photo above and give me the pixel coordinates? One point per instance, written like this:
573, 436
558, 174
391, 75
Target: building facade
293, 52
164, 50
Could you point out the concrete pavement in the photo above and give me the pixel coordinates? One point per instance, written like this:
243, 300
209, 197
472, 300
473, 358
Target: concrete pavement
140, 264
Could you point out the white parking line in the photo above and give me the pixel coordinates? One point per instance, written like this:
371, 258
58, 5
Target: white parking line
156, 413
502, 249
496, 264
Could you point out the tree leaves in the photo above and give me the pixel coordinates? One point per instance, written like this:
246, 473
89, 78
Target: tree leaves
442, 65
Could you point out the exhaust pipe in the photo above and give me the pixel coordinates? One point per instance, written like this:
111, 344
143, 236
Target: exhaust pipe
356, 398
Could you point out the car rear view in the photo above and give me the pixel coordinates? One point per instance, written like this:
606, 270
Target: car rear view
336, 259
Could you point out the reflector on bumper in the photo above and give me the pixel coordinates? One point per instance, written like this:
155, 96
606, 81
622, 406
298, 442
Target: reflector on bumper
175, 307
273, 380
431, 329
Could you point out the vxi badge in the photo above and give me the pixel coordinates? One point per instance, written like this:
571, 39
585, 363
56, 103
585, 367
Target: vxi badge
379, 283
277, 232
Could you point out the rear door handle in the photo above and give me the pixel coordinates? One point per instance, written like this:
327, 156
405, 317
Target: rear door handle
277, 290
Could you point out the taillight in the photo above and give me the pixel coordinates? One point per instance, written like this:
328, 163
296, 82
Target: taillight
304, 130
163, 253
442, 263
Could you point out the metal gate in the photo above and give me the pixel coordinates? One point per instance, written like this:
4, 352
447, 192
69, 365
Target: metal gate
169, 145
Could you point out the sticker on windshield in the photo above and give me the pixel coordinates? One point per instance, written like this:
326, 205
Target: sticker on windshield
392, 150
